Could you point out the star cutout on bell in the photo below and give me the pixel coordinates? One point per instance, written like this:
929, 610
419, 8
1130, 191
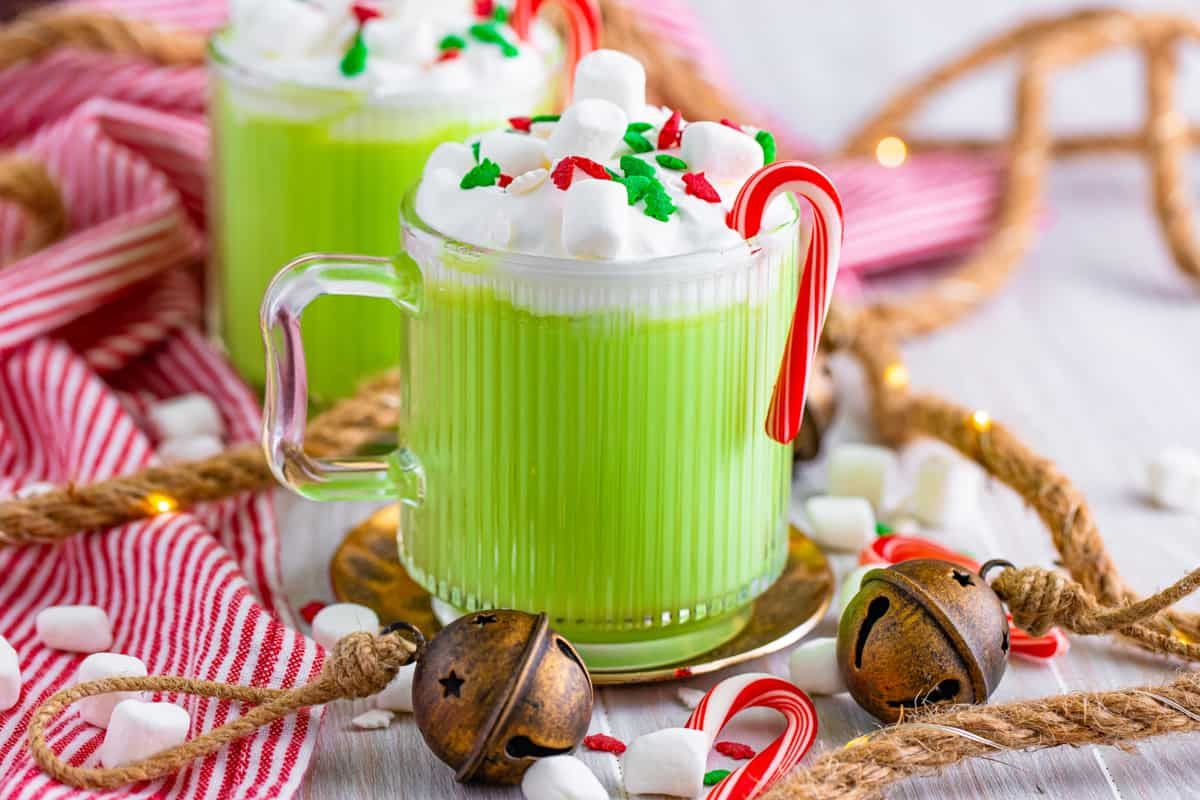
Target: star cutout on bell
451, 685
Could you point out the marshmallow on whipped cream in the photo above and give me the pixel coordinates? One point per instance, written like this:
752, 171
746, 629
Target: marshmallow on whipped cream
611, 178
388, 46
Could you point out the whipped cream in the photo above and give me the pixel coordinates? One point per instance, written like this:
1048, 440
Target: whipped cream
391, 50
612, 179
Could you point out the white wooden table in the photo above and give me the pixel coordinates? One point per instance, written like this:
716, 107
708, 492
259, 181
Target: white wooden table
1091, 355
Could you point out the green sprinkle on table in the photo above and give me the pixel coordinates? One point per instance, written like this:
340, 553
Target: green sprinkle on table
671, 162
713, 777
767, 142
637, 142
485, 173
632, 165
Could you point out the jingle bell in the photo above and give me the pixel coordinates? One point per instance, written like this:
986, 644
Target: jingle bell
921, 633
496, 690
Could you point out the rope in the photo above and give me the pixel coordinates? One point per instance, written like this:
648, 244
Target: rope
28, 184
38, 33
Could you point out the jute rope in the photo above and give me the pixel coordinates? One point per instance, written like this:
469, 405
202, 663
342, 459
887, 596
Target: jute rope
27, 183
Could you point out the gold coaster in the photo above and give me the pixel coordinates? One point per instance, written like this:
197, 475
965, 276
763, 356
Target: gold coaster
366, 570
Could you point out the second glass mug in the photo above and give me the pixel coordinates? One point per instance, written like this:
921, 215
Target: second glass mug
582, 438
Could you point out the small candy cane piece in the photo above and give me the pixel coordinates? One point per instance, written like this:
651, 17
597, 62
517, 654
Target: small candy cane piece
583, 28
816, 284
888, 550
1053, 643
757, 690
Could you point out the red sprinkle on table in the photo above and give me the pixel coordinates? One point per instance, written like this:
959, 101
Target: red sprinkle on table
698, 186
670, 134
604, 743
728, 123
734, 750
504, 180
309, 611
564, 173
365, 12
683, 672
485, 8
524, 124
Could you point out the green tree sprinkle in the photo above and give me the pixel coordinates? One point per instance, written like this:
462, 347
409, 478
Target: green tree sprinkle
485, 173
767, 142
355, 59
713, 777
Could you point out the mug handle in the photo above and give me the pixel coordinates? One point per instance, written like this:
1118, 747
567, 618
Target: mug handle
397, 475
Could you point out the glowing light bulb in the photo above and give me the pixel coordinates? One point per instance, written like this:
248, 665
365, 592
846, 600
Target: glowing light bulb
891, 151
161, 503
896, 376
981, 421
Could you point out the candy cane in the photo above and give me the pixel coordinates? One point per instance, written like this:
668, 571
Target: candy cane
757, 690
583, 28
888, 550
816, 284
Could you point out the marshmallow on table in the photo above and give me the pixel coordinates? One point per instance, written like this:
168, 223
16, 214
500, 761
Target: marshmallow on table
850, 587
595, 220
561, 778
813, 666
341, 619
1173, 478
10, 676
720, 152
515, 153
454, 156
397, 695
947, 491
589, 128
670, 761
79, 629
374, 719
861, 470
98, 709
844, 524
190, 448
614, 76
138, 730
184, 416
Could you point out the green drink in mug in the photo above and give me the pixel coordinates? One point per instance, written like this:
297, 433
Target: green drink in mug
594, 413
324, 113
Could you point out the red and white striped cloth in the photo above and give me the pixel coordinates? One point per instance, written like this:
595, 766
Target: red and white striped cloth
104, 322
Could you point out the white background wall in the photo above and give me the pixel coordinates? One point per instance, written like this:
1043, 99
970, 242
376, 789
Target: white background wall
825, 65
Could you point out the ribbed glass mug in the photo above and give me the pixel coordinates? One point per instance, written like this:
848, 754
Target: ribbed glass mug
580, 438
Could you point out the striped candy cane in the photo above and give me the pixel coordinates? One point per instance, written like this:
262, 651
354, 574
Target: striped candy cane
583, 28
816, 284
888, 550
757, 690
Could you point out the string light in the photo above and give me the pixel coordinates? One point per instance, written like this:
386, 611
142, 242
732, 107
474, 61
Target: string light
896, 376
891, 151
981, 421
161, 503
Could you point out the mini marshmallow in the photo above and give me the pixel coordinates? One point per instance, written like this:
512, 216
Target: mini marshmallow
614, 76
283, 27
97, 710
813, 666
670, 761
138, 730
341, 619
79, 629
1173, 479
542, 130
454, 156
191, 448
185, 416
516, 153
396, 39
843, 524
690, 697
851, 585
35, 489
374, 719
588, 128
595, 220
862, 470
720, 152
529, 181
947, 491
10, 676
561, 778
397, 695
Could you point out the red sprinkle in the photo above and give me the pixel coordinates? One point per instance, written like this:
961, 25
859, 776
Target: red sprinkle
683, 672
309, 611
604, 743
521, 123
364, 12
485, 8
735, 750
670, 134
727, 122
449, 54
504, 180
698, 186
564, 173
591, 168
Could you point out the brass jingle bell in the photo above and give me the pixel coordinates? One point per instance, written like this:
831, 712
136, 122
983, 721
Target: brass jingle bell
496, 690
920, 633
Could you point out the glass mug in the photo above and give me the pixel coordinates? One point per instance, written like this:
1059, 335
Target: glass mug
580, 438
304, 166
